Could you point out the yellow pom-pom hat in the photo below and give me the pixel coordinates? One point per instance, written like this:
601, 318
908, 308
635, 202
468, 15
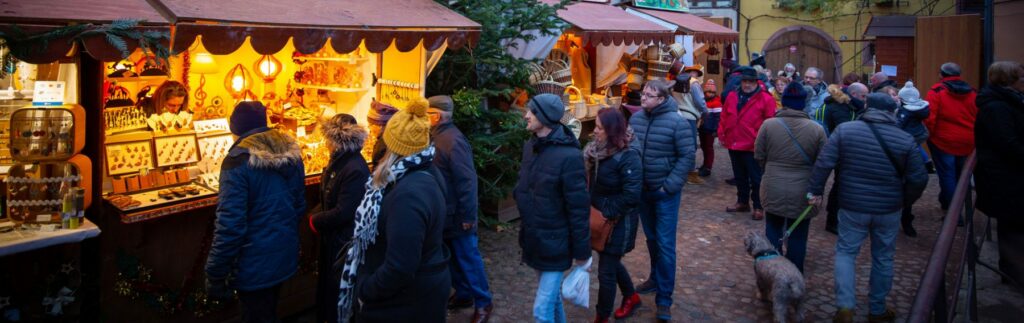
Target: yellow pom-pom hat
408, 131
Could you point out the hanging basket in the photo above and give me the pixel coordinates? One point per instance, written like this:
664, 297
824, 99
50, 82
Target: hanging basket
550, 87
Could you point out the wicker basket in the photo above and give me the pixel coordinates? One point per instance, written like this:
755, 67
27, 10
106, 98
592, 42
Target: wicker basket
551, 87
579, 106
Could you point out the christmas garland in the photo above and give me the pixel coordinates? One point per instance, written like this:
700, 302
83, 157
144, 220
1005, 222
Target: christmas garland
117, 33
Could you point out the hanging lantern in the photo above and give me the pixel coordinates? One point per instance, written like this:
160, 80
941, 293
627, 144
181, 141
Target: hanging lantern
267, 67
238, 80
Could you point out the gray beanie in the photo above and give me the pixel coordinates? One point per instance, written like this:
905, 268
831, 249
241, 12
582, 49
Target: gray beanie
881, 101
548, 109
441, 102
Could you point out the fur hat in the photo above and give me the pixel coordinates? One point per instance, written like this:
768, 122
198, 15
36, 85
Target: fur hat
344, 132
710, 86
794, 96
408, 131
442, 102
248, 115
881, 101
380, 113
548, 108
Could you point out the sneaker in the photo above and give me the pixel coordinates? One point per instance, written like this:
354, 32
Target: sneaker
704, 172
843, 315
694, 179
888, 316
647, 287
664, 313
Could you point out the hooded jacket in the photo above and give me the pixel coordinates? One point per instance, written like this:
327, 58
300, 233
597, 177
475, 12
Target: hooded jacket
868, 180
666, 145
999, 134
816, 97
839, 107
553, 201
953, 112
910, 117
739, 125
786, 170
261, 199
454, 158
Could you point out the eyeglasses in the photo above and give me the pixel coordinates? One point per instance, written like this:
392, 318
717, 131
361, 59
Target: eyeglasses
810, 77
646, 95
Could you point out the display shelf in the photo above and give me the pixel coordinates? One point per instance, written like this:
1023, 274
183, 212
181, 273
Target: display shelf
138, 79
336, 59
18, 241
333, 88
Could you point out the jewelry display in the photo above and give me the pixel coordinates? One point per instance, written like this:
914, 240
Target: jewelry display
176, 150
124, 119
45, 133
166, 122
130, 157
211, 125
213, 150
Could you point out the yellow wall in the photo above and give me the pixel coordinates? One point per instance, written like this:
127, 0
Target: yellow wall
759, 21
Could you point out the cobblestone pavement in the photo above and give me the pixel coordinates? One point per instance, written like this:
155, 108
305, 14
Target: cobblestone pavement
714, 275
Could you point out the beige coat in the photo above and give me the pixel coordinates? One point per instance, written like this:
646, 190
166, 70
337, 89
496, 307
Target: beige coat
786, 171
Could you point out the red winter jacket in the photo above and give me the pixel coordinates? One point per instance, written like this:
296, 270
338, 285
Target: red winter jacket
737, 131
951, 122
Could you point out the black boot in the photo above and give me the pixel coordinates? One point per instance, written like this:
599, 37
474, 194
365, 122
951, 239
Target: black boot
907, 220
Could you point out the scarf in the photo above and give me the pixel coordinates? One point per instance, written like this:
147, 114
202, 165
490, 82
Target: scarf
597, 150
365, 233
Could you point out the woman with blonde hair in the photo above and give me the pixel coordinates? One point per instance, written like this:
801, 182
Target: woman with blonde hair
397, 266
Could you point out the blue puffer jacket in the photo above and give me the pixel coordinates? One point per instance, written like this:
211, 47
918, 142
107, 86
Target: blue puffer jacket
553, 201
868, 180
666, 145
261, 199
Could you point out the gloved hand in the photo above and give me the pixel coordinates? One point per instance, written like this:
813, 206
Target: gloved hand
218, 290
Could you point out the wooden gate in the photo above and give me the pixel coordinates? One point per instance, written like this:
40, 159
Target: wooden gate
804, 46
948, 39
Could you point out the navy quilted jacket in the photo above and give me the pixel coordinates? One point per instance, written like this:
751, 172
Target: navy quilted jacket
261, 198
666, 145
869, 181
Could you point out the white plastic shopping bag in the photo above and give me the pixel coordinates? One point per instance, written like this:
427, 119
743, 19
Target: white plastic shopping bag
576, 286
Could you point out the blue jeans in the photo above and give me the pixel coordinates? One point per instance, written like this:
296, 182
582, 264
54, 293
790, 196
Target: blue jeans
547, 307
948, 168
658, 215
853, 229
748, 177
467, 267
796, 246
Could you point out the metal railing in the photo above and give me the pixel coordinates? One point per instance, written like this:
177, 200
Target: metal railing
933, 301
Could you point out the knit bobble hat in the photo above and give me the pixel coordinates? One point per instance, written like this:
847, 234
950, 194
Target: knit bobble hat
408, 132
881, 101
710, 86
909, 93
248, 115
794, 96
548, 108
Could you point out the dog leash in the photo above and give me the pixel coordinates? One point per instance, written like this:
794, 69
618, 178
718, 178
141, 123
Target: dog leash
796, 223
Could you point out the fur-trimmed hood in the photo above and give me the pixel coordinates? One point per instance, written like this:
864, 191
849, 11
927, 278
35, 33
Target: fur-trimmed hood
269, 149
345, 137
838, 94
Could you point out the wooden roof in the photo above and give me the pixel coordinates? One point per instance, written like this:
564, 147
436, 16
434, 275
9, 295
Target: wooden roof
892, 26
604, 24
702, 30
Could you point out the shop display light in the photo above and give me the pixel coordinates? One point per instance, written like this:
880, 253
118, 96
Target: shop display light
202, 64
267, 67
238, 81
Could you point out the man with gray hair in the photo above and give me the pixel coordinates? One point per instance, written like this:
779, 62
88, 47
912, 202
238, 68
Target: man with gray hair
880, 80
816, 89
454, 159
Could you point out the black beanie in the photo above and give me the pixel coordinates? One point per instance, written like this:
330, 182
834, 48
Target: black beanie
248, 115
548, 108
881, 101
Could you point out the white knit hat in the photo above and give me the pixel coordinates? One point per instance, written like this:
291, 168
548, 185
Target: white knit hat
911, 97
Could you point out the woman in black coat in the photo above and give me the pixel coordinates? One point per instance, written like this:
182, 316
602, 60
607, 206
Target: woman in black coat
342, 186
999, 175
615, 182
396, 268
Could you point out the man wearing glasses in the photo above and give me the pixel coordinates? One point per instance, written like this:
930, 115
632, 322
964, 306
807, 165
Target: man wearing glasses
817, 90
667, 150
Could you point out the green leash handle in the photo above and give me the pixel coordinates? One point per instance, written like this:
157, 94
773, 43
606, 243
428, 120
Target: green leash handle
797, 222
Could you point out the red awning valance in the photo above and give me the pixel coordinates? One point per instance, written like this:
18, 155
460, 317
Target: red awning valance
224, 24
702, 30
604, 24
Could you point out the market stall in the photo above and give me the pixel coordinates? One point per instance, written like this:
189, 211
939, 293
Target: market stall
706, 42
48, 151
155, 161
586, 63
